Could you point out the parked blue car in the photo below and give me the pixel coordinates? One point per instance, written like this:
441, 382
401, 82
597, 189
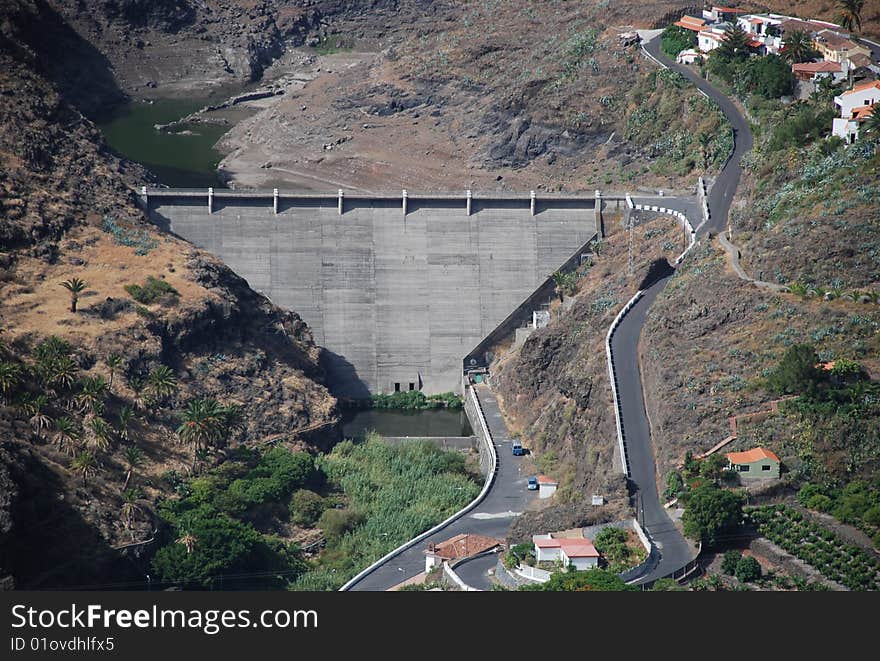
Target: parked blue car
518, 450
533, 484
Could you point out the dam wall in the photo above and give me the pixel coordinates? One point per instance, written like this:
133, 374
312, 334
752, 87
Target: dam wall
397, 288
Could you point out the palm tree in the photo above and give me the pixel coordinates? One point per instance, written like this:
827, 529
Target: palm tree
114, 362
75, 286
559, 281
850, 14
134, 458
10, 377
188, 540
871, 125
91, 397
138, 385
232, 420
130, 506
798, 289
39, 419
100, 434
125, 416
201, 424
85, 464
201, 457
66, 435
798, 47
62, 372
162, 381
873, 296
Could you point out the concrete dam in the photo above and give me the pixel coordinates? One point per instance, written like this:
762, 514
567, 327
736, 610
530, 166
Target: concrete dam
399, 290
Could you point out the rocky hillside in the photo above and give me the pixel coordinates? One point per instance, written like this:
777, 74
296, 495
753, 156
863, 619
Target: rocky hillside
555, 389
93, 399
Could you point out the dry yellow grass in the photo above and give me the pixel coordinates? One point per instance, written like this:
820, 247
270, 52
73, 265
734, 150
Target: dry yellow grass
40, 306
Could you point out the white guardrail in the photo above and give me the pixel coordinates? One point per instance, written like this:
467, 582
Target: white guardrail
612, 375
490, 479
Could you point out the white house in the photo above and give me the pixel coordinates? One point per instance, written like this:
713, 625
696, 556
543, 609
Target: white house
546, 486
764, 29
569, 551
689, 56
855, 107
860, 96
710, 38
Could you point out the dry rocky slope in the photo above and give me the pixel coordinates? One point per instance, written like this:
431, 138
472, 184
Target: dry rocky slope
67, 212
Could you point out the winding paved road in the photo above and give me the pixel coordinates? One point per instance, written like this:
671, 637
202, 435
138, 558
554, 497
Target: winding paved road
675, 551
507, 498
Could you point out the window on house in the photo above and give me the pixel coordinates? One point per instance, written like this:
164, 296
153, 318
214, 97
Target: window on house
765, 467
412, 386
396, 387
743, 468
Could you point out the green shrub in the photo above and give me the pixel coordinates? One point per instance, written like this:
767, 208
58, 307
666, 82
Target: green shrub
730, 561
336, 522
152, 291
748, 569
820, 502
674, 39
306, 507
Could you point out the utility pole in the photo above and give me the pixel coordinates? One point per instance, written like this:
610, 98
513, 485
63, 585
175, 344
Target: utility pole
630, 269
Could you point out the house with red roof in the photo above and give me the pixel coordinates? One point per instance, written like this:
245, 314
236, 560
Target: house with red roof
755, 463
546, 486
813, 71
459, 547
579, 552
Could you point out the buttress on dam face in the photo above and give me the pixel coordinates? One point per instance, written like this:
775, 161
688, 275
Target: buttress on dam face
399, 290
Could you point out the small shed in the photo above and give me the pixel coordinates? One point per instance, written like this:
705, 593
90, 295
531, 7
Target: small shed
546, 486
754, 463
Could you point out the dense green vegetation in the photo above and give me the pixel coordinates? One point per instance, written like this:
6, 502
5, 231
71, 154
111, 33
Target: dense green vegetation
674, 39
415, 400
591, 580
677, 126
395, 492
711, 514
152, 291
856, 503
612, 544
767, 76
845, 563
366, 499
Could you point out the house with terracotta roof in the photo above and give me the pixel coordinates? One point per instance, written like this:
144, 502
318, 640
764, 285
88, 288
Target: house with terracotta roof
459, 547
691, 23
838, 47
755, 463
855, 106
579, 552
546, 486
813, 71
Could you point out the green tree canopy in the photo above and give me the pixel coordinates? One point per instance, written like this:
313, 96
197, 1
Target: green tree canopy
591, 580
710, 513
797, 372
216, 544
675, 39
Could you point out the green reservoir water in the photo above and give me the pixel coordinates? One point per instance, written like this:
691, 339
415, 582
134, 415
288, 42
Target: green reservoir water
393, 422
184, 159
